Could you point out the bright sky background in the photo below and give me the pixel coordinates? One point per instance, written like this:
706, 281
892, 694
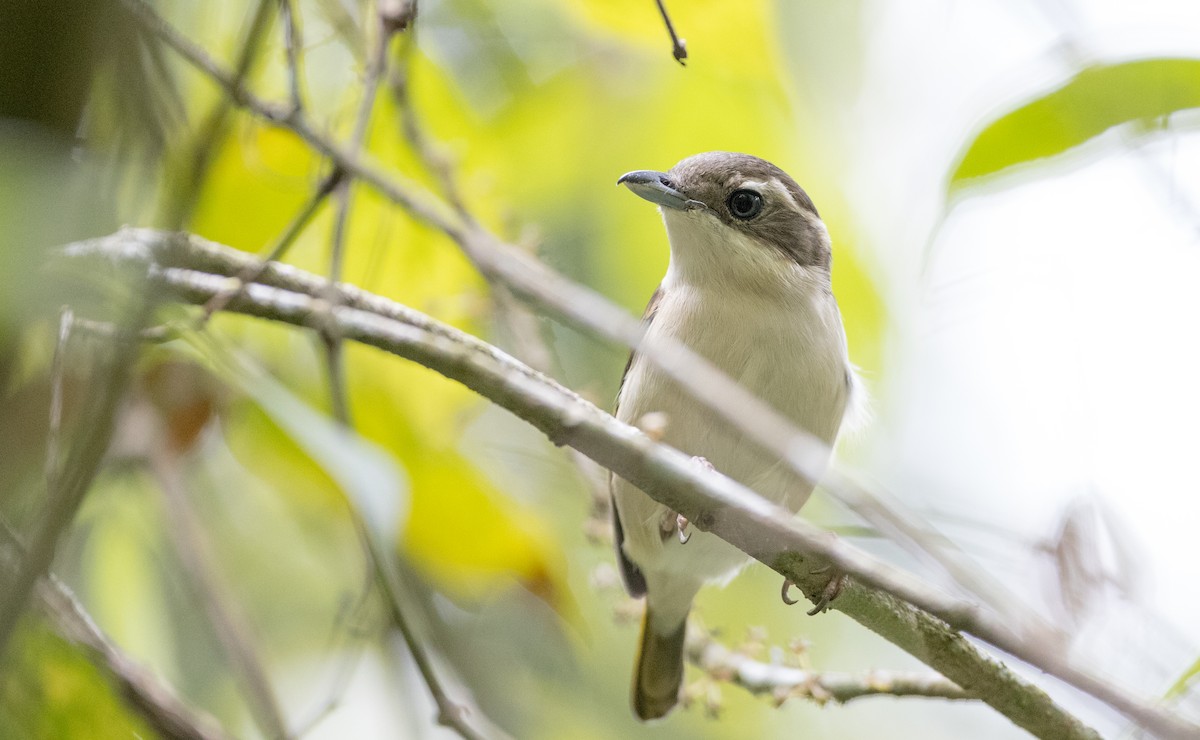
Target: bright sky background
1050, 348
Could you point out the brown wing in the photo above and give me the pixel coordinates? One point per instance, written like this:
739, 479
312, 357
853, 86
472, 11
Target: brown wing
647, 318
635, 582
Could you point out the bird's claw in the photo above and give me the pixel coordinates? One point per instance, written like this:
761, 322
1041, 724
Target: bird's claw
675, 524
831, 591
783, 593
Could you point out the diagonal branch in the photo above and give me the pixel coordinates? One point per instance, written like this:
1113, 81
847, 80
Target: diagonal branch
731, 511
201, 151
282, 243
393, 16
710, 500
678, 45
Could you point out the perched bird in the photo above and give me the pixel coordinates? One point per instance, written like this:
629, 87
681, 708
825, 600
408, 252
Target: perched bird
748, 288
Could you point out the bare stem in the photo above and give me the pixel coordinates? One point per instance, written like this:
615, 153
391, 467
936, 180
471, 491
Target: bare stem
432, 158
678, 46
230, 626
335, 360
66, 322
71, 484
204, 146
783, 682
450, 714
292, 44
280, 247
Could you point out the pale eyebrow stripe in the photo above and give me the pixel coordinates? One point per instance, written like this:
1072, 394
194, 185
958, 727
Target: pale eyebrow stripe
773, 185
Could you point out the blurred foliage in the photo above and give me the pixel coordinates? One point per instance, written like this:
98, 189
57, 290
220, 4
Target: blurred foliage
1141, 92
50, 690
1182, 684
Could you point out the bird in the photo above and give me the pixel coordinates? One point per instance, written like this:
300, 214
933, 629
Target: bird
747, 287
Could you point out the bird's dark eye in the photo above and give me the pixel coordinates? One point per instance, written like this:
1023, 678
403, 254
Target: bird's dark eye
745, 204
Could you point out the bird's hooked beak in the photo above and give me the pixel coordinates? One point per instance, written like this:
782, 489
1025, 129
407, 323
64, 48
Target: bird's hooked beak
656, 187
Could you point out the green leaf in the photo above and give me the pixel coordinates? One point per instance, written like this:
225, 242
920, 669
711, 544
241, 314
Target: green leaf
371, 479
1090, 103
1180, 686
49, 689
368, 475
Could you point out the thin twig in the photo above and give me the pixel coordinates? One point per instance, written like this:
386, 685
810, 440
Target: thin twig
376, 65
678, 45
782, 682
335, 360
410, 197
71, 483
292, 44
763, 530
281, 245
66, 321
229, 626
393, 17
351, 656
204, 147
450, 714
432, 158
520, 323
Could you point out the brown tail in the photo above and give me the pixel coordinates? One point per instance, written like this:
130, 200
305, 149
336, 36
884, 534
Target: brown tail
659, 671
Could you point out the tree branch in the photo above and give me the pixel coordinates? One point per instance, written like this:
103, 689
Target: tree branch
195, 270
783, 682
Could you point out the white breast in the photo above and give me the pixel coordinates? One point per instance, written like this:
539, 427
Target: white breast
788, 347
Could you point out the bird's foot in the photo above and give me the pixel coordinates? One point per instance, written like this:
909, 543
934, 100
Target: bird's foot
681, 526
783, 593
831, 591
675, 524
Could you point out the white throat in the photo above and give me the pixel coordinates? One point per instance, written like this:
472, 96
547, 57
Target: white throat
706, 253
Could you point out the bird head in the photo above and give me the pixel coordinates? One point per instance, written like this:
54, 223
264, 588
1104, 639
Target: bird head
734, 218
